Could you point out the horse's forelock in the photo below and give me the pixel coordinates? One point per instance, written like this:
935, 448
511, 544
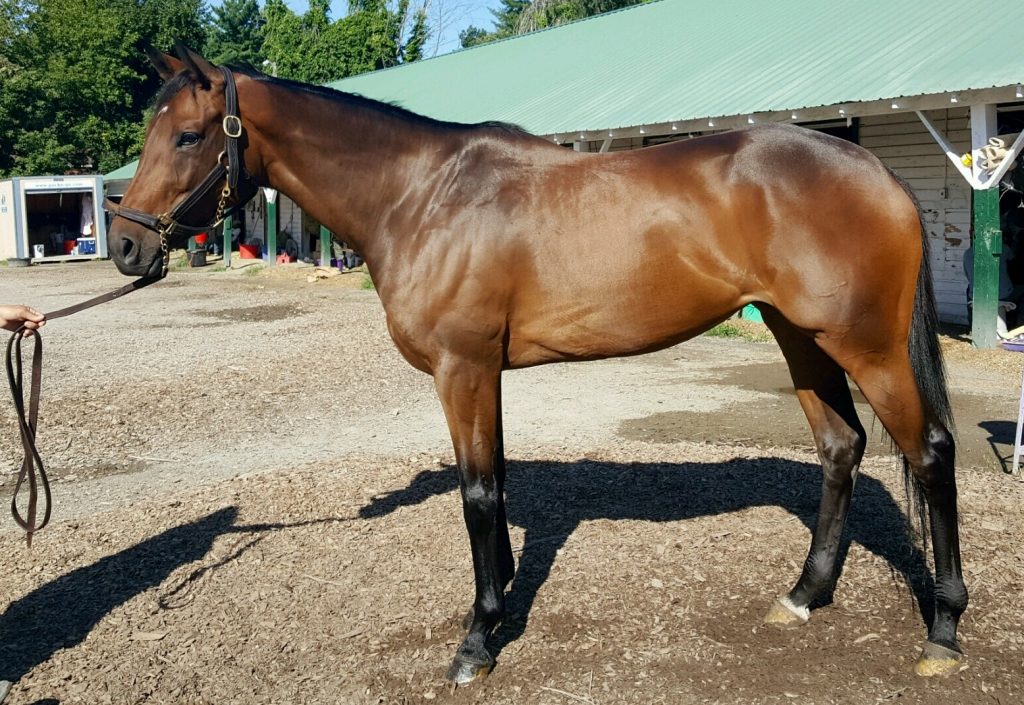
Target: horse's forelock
171, 89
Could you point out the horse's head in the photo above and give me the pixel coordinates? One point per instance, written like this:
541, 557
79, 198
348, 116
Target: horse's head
191, 170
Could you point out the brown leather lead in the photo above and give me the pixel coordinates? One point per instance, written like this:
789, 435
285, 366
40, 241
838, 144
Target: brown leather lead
32, 468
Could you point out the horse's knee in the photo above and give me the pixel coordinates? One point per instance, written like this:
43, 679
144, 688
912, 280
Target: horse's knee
479, 499
841, 451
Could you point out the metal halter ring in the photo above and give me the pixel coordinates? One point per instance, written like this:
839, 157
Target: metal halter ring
232, 121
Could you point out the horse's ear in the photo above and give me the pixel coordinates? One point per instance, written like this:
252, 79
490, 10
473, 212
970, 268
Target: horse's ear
165, 64
199, 68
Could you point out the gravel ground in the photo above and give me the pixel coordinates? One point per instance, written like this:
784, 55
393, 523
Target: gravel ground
254, 504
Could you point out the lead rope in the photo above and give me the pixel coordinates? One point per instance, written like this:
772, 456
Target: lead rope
32, 470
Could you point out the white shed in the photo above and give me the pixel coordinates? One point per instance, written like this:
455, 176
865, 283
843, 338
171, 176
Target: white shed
52, 218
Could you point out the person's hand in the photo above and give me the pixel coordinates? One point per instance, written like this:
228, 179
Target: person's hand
12, 317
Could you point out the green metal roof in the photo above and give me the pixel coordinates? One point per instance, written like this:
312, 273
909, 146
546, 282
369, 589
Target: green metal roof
683, 59
125, 172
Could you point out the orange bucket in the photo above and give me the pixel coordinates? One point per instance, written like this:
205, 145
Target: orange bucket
250, 252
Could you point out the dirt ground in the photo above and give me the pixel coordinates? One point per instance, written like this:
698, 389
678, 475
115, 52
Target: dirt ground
254, 503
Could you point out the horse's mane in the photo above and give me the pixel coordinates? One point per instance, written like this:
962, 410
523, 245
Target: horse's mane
348, 100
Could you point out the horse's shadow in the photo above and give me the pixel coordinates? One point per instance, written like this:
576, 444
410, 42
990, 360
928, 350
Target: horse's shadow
550, 499
61, 613
1001, 433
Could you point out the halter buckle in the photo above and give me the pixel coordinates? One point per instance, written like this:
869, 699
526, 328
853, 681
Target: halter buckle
167, 224
232, 125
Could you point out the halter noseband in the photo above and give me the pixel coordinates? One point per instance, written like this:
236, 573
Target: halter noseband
168, 223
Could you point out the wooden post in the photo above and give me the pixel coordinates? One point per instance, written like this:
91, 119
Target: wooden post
227, 224
988, 246
988, 236
325, 247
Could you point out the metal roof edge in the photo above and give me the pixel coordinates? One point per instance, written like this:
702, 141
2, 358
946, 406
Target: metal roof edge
1008, 93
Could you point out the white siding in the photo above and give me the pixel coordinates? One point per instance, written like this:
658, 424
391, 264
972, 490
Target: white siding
8, 229
905, 146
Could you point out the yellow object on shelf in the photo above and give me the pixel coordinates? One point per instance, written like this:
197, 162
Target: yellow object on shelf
966, 159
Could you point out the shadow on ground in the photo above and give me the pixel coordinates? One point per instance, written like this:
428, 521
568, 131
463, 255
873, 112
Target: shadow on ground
550, 499
1001, 433
61, 613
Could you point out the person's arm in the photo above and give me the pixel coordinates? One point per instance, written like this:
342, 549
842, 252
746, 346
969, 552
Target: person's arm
12, 317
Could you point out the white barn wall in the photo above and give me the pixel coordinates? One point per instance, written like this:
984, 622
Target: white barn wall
904, 145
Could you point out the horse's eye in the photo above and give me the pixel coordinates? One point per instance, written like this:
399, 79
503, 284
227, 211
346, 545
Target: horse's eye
188, 139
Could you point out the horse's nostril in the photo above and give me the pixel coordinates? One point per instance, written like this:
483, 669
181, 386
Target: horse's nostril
127, 247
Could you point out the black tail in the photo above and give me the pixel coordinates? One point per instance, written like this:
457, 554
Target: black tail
926, 361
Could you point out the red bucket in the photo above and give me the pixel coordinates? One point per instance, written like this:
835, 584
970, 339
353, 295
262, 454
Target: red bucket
69, 245
250, 251
201, 239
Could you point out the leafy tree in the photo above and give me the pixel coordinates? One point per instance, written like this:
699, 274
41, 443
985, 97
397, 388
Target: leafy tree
74, 81
418, 36
473, 35
315, 49
236, 33
521, 16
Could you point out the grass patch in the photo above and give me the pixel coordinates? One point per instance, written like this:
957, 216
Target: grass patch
253, 270
181, 263
219, 268
367, 283
744, 330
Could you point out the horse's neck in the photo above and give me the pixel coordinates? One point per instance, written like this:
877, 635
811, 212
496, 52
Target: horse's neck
349, 166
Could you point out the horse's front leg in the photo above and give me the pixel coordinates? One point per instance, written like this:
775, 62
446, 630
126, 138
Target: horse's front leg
470, 395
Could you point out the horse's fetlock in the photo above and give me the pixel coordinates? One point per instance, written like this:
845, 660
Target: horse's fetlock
952, 593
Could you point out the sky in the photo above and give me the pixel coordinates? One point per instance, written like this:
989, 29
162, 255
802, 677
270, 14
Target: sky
452, 16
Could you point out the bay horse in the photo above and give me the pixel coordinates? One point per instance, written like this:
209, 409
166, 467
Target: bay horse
492, 250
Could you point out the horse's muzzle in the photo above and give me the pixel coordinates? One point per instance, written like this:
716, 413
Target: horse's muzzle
132, 257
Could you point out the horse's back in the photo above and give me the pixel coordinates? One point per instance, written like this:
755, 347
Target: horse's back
670, 240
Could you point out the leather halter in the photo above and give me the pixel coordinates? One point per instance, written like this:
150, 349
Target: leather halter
230, 165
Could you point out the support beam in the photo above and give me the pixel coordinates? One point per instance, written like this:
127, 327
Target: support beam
977, 177
271, 226
988, 236
937, 135
988, 247
325, 247
226, 239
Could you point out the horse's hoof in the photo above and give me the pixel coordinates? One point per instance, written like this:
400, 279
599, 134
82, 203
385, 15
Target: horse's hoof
472, 661
786, 615
463, 670
937, 660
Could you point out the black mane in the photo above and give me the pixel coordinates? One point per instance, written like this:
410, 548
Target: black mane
349, 100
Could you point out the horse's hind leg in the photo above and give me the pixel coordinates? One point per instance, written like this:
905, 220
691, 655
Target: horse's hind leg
470, 394
887, 380
825, 397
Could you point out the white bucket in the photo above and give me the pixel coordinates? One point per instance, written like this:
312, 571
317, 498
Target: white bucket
38, 251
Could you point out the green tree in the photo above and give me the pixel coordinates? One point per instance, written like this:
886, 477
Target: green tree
521, 16
316, 49
236, 33
418, 36
75, 83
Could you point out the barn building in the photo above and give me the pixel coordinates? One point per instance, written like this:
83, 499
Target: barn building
927, 96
